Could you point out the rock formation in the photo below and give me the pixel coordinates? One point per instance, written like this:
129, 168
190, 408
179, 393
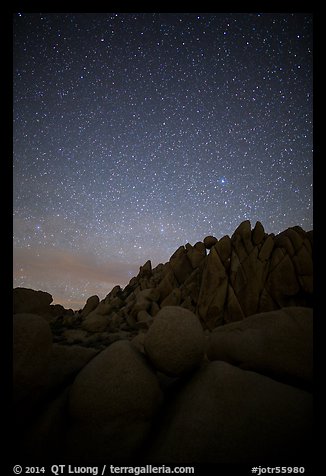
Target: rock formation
206, 358
111, 403
175, 342
225, 414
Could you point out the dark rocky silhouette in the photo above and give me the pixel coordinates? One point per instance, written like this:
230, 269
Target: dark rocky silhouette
206, 358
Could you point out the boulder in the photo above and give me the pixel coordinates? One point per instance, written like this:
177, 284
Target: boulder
115, 292
175, 341
201, 248
282, 282
180, 265
30, 301
69, 320
247, 278
267, 248
295, 235
95, 322
52, 312
144, 320
91, 303
73, 336
191, 287
145, 271
154, 309
66, 361
226, 415
196, 254
303, 262
168, 283
108, 305
278, 344
144, 300
213, 289
241, 240
209, 242
224, 248
151, 294
115, 320
233, 310
131, 321
138, 342
112, 403
32, 346
173, 299
258, 233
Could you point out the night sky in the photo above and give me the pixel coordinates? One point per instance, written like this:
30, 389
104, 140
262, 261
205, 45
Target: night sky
135, 133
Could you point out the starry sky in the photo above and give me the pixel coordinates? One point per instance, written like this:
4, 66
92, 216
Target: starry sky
135, 133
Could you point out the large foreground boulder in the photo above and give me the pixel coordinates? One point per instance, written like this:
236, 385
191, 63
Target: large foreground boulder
65, 362
226, 415
175, 341
112, 403
276, 343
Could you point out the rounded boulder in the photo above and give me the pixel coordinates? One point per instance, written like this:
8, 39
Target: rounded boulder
112, 402
278, 344
209, 242
224, 415
175, 342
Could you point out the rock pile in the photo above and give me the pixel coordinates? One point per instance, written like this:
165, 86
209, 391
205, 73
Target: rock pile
206, 358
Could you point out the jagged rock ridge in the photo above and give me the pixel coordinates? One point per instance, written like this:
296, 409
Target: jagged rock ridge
204, 359
248, 273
